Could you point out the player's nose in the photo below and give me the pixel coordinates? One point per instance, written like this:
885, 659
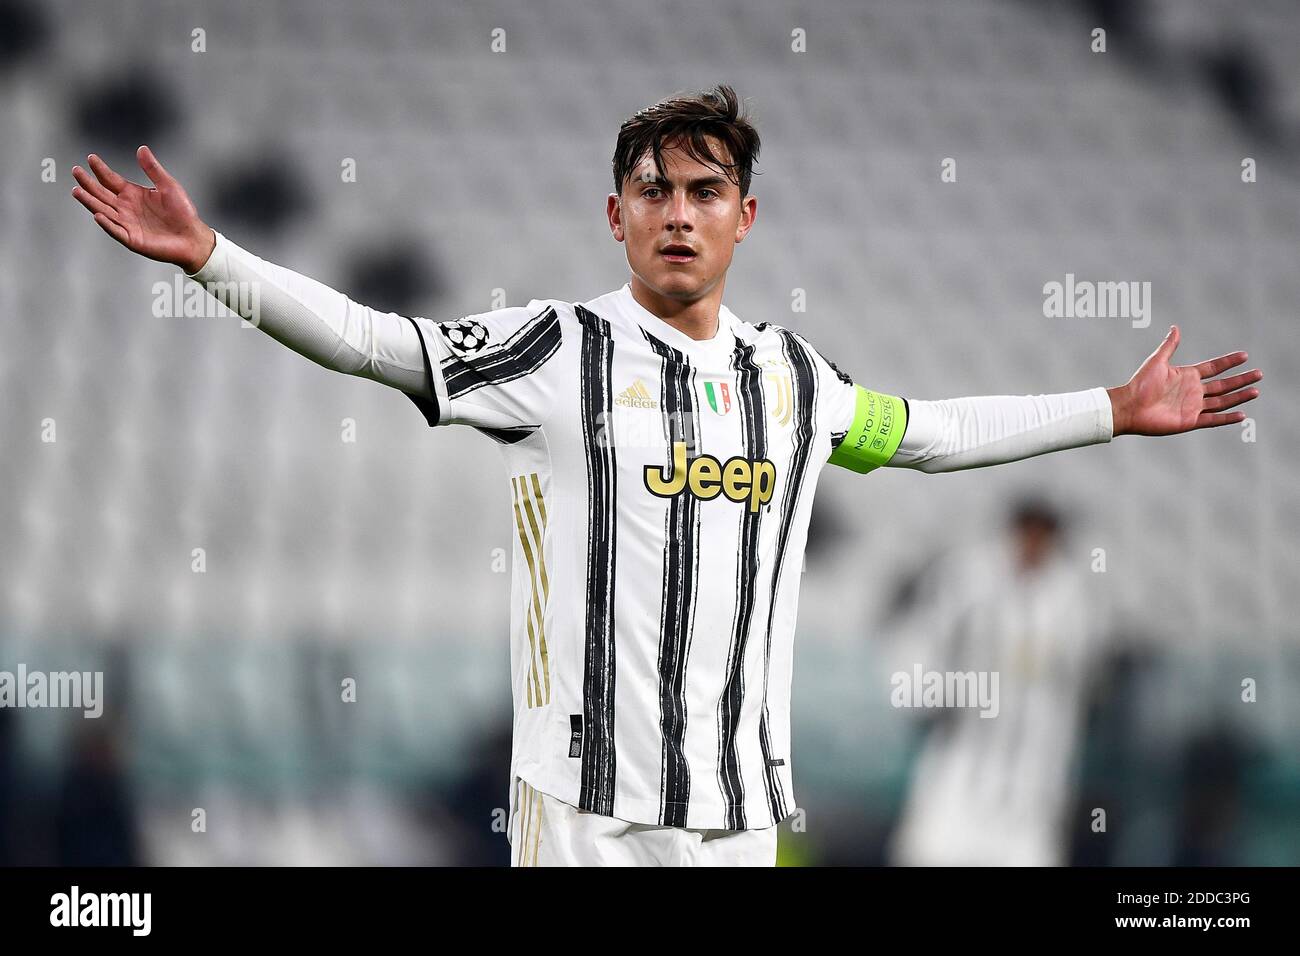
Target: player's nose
679, 213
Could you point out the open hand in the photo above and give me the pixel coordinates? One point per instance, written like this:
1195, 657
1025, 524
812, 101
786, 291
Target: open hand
160, 223
1166, 399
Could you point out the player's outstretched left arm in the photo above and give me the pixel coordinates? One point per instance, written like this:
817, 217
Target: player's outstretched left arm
1166, 399
974, 432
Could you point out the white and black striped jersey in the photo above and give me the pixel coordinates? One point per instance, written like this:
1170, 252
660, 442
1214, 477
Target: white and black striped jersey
662, 488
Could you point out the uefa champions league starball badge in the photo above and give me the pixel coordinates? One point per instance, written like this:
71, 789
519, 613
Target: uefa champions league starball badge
464, 336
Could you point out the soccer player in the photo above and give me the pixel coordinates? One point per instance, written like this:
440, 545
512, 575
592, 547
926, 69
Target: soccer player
1000, 792
662, 454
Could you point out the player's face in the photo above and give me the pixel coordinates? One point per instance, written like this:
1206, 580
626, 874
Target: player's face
680, 229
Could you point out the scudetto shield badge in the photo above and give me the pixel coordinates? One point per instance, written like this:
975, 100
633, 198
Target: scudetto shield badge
719, 396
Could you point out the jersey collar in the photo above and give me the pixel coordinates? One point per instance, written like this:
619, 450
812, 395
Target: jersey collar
722, 343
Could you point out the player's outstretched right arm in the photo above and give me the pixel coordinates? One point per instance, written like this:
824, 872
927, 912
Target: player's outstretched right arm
312, 319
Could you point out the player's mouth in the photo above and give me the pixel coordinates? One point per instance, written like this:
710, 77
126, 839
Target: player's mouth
678, 252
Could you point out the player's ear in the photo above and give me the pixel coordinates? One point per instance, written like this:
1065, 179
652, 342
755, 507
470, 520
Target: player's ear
614, 210
748, 212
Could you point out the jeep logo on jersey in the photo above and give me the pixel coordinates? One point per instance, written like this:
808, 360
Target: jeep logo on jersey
464, 336
739, 479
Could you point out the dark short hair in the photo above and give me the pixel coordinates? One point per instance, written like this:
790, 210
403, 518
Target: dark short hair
1032, 509
687, 119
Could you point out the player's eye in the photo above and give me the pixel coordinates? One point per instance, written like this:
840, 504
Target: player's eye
647, 192
702, 191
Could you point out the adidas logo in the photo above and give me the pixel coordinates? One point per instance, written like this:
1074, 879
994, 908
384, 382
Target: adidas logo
636, 395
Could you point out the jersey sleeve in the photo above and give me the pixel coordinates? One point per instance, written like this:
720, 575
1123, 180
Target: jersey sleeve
953, 434
865, 426
490, 370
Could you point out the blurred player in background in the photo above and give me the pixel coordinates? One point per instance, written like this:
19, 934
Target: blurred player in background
996, 790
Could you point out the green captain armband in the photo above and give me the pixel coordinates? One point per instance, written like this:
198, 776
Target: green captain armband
878, 425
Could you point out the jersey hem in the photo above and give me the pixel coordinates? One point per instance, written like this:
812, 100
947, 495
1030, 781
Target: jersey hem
644, 812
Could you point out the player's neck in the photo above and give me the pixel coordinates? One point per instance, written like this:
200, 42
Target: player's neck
697, 320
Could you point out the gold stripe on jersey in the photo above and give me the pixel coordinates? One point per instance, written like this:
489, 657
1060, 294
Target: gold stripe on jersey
533, 507
525, 807
528, 844
537, 827
519, 812
528, 502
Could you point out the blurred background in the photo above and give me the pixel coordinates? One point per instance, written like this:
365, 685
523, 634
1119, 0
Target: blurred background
181, 511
